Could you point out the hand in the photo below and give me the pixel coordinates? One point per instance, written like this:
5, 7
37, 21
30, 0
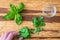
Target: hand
9, 35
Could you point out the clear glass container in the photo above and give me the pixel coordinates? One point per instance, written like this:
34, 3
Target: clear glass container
49, 10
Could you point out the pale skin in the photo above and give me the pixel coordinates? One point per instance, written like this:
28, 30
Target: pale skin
9, 35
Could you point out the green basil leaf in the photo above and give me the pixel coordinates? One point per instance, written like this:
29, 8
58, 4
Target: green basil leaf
24, 32
20, 7
18, 18
37, 30
13, 8
40, 19
42, 24
9, 16
35, 22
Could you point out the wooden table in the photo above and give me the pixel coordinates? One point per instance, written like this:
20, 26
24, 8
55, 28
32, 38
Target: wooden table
32, 8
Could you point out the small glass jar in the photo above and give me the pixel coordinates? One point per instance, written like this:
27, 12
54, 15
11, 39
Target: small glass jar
49, 10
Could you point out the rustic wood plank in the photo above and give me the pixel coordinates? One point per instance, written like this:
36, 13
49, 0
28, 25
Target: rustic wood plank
4, 11
29, 4
32, 8
43, 39
50, 30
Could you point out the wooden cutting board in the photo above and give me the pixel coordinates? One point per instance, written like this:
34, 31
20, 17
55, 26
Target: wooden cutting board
32, 8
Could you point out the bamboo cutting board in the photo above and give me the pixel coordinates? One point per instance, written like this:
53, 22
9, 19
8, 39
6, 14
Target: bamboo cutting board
32, 8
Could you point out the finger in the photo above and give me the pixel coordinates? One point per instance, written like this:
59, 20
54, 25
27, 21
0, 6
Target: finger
11, 35
4, 35
20, 38
15, 33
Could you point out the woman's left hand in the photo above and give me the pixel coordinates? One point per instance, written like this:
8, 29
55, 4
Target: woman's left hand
9, 35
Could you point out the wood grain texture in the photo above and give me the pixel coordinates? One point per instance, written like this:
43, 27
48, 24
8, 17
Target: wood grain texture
32, 8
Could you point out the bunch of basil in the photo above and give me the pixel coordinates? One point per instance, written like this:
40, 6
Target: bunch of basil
14, 13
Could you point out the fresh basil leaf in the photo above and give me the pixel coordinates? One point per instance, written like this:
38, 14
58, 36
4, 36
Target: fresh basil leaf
18, 19
13, 8
42, 24
37, 30
9, 16
20, 7
35, 22
24, 32
40, 19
